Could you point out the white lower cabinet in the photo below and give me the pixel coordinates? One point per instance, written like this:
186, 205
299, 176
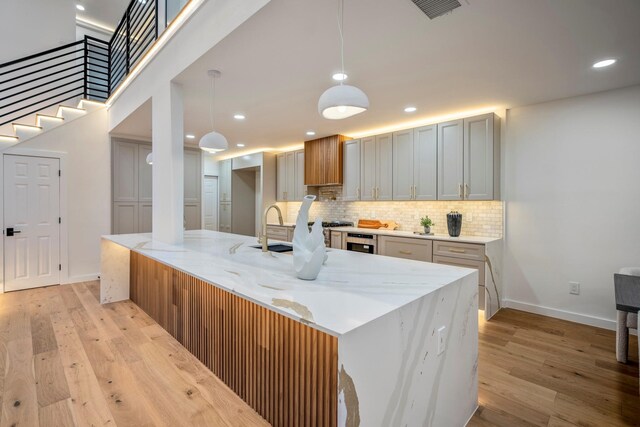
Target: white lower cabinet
224, 222
405, 247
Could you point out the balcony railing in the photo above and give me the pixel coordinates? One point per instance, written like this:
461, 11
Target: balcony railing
90, 68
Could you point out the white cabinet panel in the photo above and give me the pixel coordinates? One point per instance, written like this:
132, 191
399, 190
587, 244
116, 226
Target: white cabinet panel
125, 217
145, 175
192, 176
351, 173
403, 165
479, 157
225, 217
145, 211
367, 168
281, 177
425, 158
224, 181
300, 188
291, 175
450, 160
192, 216
384, 169
125, 172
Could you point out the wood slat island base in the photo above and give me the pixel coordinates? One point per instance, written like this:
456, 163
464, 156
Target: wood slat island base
284, 369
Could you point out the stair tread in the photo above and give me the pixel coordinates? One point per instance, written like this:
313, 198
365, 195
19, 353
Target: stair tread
49, 116
25, 125
72, 108
9, 136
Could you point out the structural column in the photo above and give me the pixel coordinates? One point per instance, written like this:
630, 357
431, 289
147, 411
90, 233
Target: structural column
168, 163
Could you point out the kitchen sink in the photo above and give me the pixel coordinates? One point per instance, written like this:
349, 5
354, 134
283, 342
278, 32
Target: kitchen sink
276, 247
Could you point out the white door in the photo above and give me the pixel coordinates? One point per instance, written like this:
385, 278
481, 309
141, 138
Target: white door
210, 203
32, 210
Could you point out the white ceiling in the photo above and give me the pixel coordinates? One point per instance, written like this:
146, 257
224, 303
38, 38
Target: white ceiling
105, 13
487, 53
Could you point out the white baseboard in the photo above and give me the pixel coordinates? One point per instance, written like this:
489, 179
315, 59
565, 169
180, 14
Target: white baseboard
561, 314
83, 278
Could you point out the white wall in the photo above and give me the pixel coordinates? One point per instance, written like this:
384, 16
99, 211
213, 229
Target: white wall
31, 26
572, 190
87, 172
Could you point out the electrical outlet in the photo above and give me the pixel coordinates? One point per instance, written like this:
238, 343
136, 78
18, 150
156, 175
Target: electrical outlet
574, 288
442, 339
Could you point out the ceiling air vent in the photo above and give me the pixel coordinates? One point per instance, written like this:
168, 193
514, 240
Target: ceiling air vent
435, 8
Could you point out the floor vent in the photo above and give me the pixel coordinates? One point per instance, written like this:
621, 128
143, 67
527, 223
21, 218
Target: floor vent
435, 8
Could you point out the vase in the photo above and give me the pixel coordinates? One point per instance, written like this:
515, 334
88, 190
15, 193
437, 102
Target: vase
309, 251
454, 223
427, 230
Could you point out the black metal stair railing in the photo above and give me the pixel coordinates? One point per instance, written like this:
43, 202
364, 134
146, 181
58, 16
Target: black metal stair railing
90, 68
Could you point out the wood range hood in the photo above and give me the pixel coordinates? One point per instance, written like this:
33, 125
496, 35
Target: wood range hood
323, 160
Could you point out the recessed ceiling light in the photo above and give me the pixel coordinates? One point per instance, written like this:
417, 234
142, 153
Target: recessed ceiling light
240, 145
189, 136
310, 133
80, 7
340, 77
410, 109
239, 116
604, 63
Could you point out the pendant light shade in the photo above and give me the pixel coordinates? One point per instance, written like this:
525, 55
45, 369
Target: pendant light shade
150, 158
342, 101
213, 142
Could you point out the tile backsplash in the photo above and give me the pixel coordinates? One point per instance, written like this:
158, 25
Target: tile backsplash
478, 218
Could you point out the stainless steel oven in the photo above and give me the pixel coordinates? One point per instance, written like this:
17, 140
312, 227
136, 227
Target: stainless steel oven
359, 242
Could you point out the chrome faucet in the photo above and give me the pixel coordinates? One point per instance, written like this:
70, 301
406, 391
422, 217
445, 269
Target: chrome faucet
263, 235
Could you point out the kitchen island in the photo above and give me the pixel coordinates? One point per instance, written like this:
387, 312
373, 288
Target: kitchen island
374, 341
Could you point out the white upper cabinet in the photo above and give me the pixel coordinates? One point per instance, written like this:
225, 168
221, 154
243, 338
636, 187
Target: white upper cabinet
384, 163
290, 176
368, 168
300, 189
192, 176
450, 160
281, 177
403, 165
224, 181
481, 157
145, 175
425, 162
351, 173
125, 171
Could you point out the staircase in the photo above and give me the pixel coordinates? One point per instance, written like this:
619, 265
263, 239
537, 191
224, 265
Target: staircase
34, 125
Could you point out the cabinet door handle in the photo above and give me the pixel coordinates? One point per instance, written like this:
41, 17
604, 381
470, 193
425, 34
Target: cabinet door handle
411, 192
406, 252
460, 191
466, 191
373, 192
459, 251
358, 193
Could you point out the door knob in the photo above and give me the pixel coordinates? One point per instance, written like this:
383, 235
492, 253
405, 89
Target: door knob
11, 231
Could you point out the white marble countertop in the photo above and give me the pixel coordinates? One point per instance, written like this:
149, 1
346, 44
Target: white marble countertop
351, 290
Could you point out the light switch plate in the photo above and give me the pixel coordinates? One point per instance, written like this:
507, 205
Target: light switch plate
574, 288
442, 339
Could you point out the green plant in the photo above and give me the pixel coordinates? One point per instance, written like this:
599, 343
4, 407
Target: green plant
426, 221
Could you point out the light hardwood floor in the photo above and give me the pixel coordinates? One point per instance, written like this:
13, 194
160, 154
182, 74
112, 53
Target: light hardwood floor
66, 360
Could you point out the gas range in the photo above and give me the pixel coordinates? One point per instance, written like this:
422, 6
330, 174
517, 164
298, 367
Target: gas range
326, 225
329, 224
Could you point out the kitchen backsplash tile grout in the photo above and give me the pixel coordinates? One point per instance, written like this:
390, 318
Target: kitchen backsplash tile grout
479, 218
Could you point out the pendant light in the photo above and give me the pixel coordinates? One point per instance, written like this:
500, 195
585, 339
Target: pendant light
342, 101
150, 158
213, 142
